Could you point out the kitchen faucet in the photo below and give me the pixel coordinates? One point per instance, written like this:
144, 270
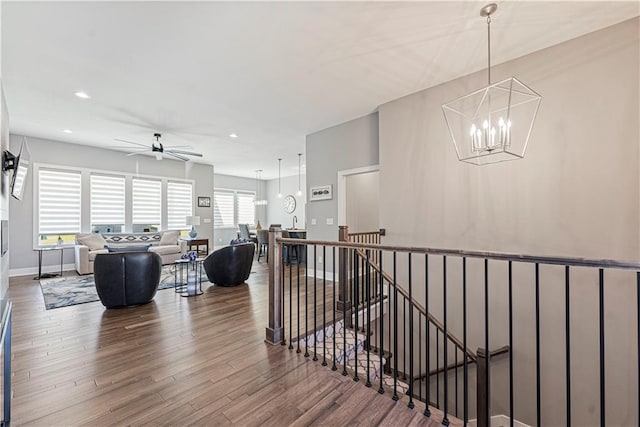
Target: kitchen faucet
295, 219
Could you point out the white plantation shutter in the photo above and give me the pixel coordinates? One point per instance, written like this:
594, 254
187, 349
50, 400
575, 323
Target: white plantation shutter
147, 201
245, 208
223, 208
107, 199
179, 205
59, 203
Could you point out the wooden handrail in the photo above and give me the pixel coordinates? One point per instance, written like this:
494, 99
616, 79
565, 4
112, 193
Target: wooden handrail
460, 364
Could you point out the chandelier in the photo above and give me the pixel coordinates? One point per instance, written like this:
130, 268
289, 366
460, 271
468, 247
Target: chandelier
492, 124
259, 201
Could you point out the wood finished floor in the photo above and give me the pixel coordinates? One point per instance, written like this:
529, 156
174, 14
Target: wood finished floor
177, 361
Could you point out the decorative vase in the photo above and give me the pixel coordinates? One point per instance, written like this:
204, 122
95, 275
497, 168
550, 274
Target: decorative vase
258, 226
193, 233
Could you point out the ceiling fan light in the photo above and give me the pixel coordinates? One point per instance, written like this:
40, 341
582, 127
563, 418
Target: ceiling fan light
158, 155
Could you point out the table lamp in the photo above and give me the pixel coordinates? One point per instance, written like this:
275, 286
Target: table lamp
193, 221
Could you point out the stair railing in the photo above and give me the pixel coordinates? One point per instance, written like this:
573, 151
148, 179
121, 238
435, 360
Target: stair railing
310, 310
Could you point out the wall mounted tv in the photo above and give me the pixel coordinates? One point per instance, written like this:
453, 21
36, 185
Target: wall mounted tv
20, 165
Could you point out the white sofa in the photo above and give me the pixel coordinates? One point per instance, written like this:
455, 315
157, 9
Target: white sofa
166, 244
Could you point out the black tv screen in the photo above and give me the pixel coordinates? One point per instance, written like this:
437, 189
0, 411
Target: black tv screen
20, 172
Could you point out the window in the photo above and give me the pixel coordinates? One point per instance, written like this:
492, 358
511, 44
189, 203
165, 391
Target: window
147, 205
245, 208
59, 204
223, 212
179, 205
232, 207
107, 203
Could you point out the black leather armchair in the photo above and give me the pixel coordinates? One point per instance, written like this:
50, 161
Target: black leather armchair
229, 266
125, 279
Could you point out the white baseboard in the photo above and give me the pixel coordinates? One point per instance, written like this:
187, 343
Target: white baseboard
30, 271
499, 421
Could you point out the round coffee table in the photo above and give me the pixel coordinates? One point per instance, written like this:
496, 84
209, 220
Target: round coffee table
190, 272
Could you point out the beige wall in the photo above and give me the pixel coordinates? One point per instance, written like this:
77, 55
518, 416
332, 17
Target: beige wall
576, 193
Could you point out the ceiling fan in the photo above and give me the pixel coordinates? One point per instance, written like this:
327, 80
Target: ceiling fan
158, 149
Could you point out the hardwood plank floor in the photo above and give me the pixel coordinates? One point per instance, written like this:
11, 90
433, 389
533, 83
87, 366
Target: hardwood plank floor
177, 361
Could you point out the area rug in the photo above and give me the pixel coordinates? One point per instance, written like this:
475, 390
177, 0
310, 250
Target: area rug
64, 291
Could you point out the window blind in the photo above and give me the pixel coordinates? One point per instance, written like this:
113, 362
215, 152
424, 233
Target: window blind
223, 208
245, 208
59, 202
147, 201
179, 205
107, 199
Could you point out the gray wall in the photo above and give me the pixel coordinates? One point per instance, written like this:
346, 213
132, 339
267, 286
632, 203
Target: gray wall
59, 153
4, 191
275, 208
576, 193
350, 145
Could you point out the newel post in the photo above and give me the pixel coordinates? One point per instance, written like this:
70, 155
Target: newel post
343, 303
274, 333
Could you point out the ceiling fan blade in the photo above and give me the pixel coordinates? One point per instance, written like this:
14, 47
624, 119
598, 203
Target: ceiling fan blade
131, 142
177, 156
188, 147
135, 153
188, 153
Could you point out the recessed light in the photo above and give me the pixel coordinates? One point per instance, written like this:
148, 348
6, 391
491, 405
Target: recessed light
233, 135
67, 131
81, 94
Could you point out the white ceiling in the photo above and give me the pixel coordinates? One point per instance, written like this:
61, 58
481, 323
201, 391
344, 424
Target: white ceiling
272, 72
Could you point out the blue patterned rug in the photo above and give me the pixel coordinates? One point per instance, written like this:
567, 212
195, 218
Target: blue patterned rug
64, 291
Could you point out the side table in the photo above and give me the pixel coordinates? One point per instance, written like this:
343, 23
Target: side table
190, 272
191, 243
42, 249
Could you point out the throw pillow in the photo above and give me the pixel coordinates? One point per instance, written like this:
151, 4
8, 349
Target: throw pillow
169, 238
93, 241
128, 248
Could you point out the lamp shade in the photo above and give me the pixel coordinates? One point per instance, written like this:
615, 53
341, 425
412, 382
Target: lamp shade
193, 220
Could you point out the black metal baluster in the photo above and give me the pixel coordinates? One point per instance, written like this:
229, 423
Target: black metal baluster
437, 368
284, 339
486, 339
344, 316
411, 404
368, 297
465, 375
420, 354
455, 352
356, 286
601, 316
381, 302
306, 301
445, 339
315, 304
404, 339
290, 307
568, 341
333, 304
324, 305
538, 417
298, 303
395, 331
427, 350
511, 416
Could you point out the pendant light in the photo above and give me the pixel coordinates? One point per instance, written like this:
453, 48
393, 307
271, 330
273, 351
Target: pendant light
279, 187
492, 124
299, 193
259, 201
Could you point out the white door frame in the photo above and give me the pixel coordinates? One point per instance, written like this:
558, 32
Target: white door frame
342, 187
